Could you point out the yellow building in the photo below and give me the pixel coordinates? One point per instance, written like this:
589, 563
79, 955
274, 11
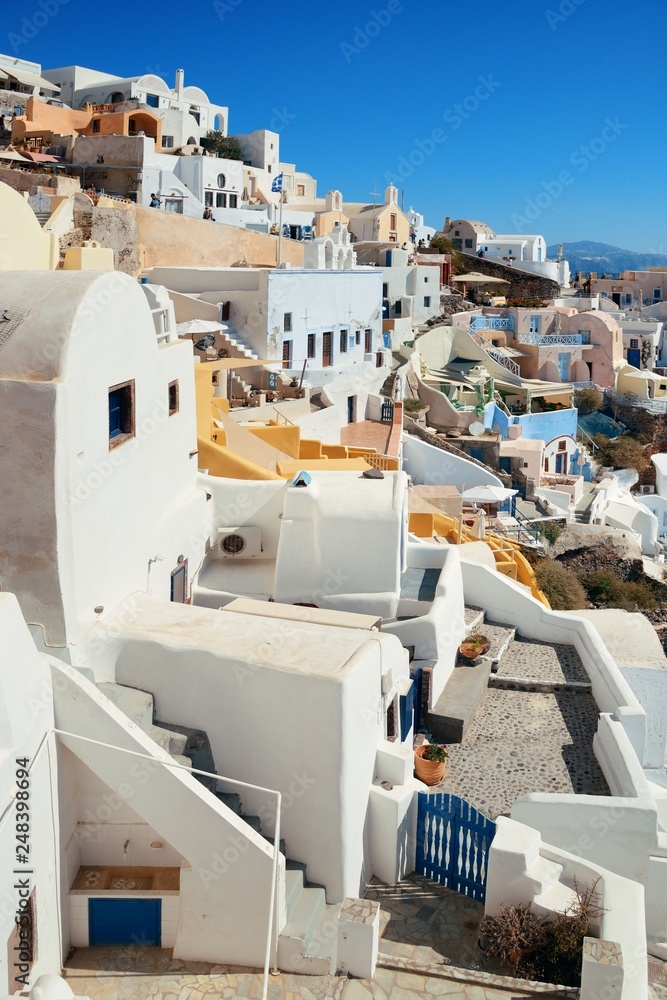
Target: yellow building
379, 222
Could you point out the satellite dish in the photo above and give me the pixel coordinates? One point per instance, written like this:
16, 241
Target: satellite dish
476, 429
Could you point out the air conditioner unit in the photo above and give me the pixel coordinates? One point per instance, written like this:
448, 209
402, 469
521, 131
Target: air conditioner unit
239, 543
647, 489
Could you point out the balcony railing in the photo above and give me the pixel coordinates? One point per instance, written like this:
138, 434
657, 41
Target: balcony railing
658, 405
555, 340
503, 360
582, 385
496, 354
491, 323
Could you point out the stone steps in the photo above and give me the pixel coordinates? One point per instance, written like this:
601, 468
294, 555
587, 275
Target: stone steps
453, 713
308, 943
455, 709
542, 666
513, 664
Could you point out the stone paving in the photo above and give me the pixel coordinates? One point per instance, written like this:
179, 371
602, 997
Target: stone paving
521, 742
534, 660
137, 973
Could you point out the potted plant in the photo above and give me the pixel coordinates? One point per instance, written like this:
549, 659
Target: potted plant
430, 763
474, 645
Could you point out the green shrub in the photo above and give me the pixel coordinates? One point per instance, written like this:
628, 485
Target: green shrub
560, 586
413, 405
225, 146
549, 530
588, 400
605, 588
624, 452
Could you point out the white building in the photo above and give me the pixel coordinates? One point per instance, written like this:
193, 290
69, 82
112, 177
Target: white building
643, 343
525, 252
89, 379
327, 317
418, 230
410, 292
20, 76
186, 112
656, 502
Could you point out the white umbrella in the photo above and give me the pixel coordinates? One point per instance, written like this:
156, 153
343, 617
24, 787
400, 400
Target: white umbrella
202, 326
478, 528
475, 278
488, 494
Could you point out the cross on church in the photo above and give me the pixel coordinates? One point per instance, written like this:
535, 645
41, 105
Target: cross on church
375, 194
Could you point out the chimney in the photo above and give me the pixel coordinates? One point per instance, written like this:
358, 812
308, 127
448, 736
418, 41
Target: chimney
448, 222
180, 80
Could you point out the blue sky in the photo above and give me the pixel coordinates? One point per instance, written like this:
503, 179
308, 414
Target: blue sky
534, 116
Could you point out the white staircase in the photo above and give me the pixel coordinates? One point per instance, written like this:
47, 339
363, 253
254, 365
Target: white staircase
236, 346
308, 941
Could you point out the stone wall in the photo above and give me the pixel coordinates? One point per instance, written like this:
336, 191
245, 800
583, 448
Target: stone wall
117, 229
147, 237
31, 180
10, 99
522, 284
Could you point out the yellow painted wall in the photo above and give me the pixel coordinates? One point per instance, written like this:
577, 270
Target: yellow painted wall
325, 221
290, 469
88, 259
510, 561
284, 437
310, 449
176, 241
24, 245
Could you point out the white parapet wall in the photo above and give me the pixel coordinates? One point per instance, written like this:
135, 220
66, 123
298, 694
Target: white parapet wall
621, 831
435, 635
431, 466
523, 870
505, 601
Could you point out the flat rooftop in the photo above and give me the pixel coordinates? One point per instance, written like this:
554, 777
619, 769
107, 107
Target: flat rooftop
296, 647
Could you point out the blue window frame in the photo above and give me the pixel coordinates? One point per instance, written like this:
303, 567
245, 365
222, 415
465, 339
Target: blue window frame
152, 100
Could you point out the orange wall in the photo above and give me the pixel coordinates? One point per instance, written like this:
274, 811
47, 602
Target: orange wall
49, 118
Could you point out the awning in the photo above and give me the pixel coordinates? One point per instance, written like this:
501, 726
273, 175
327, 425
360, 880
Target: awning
28, 79
462, 364
475, 278
42, 157
9, 155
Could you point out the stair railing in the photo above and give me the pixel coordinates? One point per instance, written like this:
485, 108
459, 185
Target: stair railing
273, 929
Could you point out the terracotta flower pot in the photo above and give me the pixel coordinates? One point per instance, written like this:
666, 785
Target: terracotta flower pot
431, 772
472, 650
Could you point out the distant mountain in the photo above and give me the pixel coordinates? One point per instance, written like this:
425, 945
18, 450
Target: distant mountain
606, 259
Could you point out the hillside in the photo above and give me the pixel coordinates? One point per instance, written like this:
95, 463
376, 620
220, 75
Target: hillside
604, 258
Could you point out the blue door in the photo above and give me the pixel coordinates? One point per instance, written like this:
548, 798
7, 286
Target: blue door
634, 357
124, 922
564, 366
559, 464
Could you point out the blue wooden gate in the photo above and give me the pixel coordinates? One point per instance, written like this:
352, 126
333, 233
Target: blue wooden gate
453, 841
